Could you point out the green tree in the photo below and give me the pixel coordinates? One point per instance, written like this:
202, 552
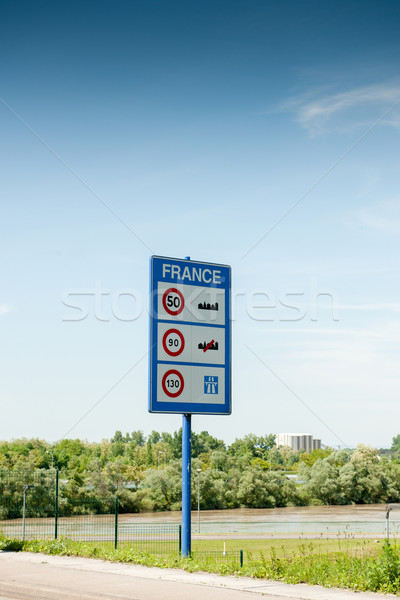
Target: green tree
264, 489
160, 489
213, 488
67, 449
117, 437
149, 454
396, 443
204, 442
154, 437
138, 438
321, 481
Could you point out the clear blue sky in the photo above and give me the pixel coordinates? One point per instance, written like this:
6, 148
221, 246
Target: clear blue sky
260, 134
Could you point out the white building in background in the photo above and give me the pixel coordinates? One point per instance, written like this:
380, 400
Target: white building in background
298, 441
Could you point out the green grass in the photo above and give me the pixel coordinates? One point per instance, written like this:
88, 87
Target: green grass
284, 547
356, 564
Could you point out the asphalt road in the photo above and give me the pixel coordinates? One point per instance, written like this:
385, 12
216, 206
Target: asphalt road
25, 576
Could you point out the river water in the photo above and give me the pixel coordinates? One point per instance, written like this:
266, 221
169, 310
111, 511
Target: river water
320, 520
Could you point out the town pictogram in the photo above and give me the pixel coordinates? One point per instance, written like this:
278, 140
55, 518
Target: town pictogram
213, 345
207, 306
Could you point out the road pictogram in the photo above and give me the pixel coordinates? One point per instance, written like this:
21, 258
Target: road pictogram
173, 301
173, 342
173, 383
210, 384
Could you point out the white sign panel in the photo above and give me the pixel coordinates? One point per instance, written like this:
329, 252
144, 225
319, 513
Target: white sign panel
190, 337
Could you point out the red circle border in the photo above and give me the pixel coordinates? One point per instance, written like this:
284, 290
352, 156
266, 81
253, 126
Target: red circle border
180, 334
164, 301
168, 393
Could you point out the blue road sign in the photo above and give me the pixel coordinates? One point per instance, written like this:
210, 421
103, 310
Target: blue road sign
210, 384
190, 337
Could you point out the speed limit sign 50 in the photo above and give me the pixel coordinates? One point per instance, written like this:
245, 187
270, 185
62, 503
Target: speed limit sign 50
173, 301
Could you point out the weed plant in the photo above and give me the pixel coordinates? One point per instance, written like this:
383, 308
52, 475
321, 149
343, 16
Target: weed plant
363, 569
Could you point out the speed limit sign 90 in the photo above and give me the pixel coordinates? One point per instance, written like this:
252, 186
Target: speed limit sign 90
173, 301
173, 342
173, 383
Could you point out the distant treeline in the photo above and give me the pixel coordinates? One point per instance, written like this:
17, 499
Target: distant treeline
145, 471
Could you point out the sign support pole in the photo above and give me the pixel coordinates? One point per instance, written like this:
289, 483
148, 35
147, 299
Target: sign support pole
190, 350
186, 481
186, 484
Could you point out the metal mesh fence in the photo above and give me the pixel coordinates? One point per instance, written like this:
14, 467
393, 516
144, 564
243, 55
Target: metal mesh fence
88, 520
150, 538
31, 507
28, 502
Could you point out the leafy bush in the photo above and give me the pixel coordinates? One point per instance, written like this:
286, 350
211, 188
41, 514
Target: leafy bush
357, 569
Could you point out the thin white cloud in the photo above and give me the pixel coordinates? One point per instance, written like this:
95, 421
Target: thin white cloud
352, 105
4, 308
388, 335
326, 331
383, 216
386, 306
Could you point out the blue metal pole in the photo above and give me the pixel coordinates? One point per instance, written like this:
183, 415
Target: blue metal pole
186, 481
186, 484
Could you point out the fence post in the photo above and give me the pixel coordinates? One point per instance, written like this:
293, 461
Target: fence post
180, 539
56, 508
387, 526
241, 558
116, 523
